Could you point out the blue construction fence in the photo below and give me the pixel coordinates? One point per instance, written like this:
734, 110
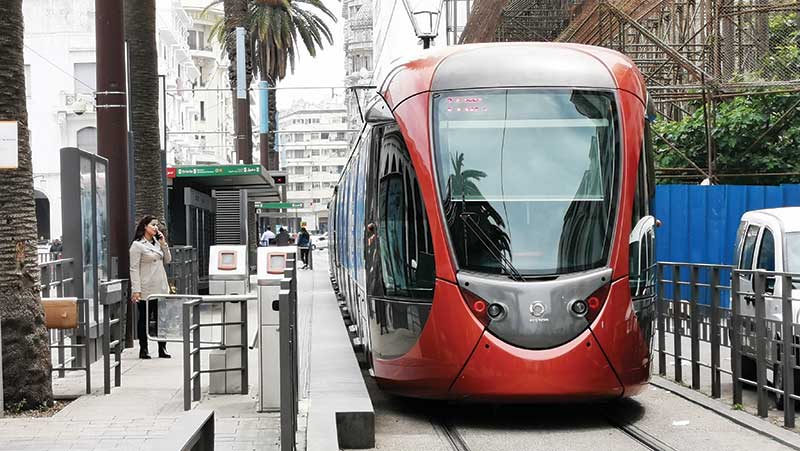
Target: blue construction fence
698, 224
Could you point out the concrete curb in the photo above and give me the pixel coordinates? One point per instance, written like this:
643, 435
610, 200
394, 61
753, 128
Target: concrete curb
744, 419
340, 411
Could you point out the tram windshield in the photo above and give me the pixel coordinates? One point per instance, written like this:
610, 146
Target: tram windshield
527, 178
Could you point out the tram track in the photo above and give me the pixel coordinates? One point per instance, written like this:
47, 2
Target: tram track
641, 436
450, 434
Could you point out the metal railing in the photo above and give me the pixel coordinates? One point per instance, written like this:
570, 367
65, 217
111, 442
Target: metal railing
114, 308
183, 272
56, 280
192, 345
287, 307
749, 317
79, 352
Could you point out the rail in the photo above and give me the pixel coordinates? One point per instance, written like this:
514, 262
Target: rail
56, 280
691, 304
192, 346
114, 307
79, 352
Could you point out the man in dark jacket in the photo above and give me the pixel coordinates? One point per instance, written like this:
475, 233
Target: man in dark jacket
283, 238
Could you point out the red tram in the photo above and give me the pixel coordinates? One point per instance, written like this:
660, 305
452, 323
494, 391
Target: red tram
492, 233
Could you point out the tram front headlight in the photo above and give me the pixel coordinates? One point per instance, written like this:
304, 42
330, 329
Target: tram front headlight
496, 311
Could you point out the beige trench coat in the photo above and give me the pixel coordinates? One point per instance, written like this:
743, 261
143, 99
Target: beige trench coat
148, 275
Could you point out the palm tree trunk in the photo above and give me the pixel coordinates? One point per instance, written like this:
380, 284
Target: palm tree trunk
235, 16
26, 352
140, 33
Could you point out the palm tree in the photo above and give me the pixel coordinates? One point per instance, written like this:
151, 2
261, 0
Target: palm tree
26, 353
276, 28
140, 33
482, 233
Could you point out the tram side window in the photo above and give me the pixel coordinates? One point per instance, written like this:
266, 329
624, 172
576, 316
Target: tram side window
403, 236
642, 259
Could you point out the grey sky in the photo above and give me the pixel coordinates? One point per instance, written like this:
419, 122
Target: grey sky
326, 69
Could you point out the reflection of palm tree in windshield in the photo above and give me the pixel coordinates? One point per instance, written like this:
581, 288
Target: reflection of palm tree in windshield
464, 196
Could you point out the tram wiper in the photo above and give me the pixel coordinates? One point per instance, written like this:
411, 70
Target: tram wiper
466, 217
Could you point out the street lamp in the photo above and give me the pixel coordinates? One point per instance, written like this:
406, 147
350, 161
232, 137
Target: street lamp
425, 16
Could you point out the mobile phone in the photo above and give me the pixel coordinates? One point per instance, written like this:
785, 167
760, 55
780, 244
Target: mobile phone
158, 236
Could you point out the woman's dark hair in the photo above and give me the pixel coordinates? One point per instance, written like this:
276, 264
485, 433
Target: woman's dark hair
139, 234
303, 230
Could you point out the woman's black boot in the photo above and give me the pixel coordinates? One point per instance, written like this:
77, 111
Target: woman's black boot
162, 350
143, 354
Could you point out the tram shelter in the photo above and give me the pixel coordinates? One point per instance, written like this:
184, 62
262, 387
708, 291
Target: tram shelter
210, 205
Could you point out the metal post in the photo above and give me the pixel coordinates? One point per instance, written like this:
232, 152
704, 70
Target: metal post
788, 361
106, 349
187, 366
660, 312
118, 347
694, 313
715, 334
761, 344
196, 350
84, 304
245, 381
287, 423
111, 130
736, 338
676, 321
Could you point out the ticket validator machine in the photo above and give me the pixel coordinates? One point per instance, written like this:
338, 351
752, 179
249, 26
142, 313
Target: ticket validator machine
228, 275
270, 270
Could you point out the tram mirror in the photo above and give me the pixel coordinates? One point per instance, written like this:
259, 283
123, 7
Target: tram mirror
378, 111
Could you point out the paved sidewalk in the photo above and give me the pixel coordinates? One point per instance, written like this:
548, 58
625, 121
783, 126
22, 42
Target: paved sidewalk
144, 408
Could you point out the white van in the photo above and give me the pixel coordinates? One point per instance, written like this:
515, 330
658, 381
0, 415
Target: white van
768, 240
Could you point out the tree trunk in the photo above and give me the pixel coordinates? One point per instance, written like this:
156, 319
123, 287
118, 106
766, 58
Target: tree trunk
235, 16
140, 33
26, 352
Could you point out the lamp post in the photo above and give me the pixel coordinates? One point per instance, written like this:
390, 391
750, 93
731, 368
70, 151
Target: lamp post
425, 16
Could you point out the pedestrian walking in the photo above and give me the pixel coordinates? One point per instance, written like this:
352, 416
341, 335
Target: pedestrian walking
283, 238
149, 253
304, 243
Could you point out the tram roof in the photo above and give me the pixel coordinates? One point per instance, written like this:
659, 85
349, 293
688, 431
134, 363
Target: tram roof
522, 64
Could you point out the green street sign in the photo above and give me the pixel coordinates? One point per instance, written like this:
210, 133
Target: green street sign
216, 171
278, 205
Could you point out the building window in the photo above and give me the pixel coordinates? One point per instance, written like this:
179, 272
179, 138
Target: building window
314, 136
85, 78
192, 40
202, 110
324, 135
299, 137
314, 152
315, 185
87, 139
340, 135
299, 170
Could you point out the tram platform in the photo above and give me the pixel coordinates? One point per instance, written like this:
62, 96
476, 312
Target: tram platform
148, 406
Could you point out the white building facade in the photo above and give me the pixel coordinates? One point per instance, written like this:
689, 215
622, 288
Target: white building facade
212, 142
358, 50
60, 67
314, 146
